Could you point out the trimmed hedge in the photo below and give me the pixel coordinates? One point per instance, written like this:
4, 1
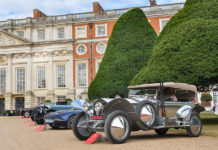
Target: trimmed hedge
128, 50
187, 48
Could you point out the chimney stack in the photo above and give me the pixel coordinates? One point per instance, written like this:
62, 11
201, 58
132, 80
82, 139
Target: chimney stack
38, 14
153, 2
97, 9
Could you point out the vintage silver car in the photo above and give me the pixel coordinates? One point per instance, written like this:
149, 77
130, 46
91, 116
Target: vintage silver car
157, 106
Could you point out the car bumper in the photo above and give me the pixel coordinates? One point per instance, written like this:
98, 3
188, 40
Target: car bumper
57, 123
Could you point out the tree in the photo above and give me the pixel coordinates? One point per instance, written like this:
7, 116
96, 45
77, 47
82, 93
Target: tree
187, 48
128, 50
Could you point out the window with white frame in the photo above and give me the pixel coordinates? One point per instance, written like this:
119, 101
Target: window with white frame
41, 34
81, 32
98, 63
61, 98
61, 76
20, 34
163, 22
81, 49
81, 75
215, 97
40, 100
20, 80
100, 30
101, 48
2, 81
60, 32
41, 77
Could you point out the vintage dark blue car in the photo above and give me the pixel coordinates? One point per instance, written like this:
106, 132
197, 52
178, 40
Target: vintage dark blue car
64, 118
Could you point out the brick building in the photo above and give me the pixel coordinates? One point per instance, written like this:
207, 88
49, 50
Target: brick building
56, 57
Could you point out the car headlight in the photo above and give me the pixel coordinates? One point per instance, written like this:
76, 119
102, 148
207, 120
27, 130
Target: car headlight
86, 106
98, 107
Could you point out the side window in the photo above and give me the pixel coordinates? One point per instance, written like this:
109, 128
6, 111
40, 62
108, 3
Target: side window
170, 95
60, 32
185, 96
41, 34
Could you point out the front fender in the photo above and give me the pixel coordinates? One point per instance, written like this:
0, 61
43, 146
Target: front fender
125, 106
118, 104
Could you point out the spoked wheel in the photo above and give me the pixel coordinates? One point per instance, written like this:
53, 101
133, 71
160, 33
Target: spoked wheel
148, 114
80, 132
161, 132
117, 127
194, 130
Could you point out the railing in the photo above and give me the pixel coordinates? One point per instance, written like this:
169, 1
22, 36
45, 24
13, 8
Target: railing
89, 15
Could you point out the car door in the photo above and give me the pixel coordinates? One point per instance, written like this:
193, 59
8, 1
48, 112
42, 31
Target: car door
183, 98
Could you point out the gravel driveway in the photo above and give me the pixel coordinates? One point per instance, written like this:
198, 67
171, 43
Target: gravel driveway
16, 135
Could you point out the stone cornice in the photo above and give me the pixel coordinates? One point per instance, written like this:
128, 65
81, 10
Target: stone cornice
32, 44
150, 11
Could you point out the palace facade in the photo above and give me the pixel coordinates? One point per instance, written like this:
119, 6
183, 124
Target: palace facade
56, 57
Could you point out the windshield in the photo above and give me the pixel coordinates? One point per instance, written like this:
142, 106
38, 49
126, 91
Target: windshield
143, 93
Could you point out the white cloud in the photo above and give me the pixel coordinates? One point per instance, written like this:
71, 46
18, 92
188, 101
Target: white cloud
10, 9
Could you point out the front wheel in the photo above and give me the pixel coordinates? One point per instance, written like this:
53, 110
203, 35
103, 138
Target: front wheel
39, 118
70, 121
80, 132
194, 130
117, 127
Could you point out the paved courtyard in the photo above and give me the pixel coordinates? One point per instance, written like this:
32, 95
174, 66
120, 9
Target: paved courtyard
17, 135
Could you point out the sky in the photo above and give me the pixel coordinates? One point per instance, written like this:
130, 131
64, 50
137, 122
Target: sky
18, 9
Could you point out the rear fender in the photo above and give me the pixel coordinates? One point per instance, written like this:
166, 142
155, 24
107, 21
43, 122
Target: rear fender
186, 111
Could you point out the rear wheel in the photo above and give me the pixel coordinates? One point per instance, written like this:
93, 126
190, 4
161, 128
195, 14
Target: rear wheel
161, 132
26, 114
80, 132
194, 130
117, 127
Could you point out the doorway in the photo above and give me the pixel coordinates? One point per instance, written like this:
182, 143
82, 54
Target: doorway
2, 106
19, 104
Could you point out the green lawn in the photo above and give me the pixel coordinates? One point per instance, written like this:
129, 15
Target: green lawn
210, 125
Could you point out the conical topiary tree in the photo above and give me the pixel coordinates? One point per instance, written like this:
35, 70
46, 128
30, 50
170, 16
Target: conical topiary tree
187, 48
128, 50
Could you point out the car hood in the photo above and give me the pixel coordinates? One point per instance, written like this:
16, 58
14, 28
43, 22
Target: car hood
131, 100
64, 112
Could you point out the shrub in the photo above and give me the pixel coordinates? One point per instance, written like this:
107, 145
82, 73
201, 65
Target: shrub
128, 50
68, 100
186, 50
206, 97
47, 101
